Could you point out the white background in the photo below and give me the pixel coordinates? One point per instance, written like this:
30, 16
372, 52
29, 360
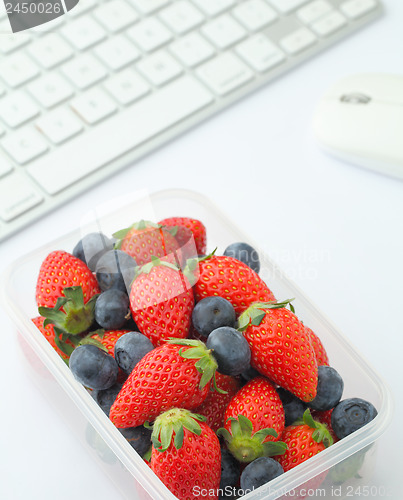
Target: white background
334, 228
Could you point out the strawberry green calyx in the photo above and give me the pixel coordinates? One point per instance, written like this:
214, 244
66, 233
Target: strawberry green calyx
192, 265
142, 224
155, 261
205, 364
171, 424
321, 433
257, 311
246, 446
70, 315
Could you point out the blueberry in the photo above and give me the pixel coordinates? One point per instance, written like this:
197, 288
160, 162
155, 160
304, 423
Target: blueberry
105, 398
350, 415
293, 407
229, 469
111, 309
259, 472
138, 437
250, 373
245, 253
230, 349
130, 348
115, 269
91, 248
329, 391
211, 313
93, 367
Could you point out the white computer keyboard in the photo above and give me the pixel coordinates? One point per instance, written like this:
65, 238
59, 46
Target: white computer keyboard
114, 79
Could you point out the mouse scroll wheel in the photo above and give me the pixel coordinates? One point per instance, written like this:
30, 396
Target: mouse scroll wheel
355, 98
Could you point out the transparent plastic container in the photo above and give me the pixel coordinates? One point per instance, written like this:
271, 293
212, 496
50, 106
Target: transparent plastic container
336, 472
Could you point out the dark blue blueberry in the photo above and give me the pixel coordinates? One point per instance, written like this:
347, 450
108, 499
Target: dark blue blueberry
130, 348
329, 391
230, 349
350, 415
230, 469
91, 248
111, 309
93, 367
245, 253
249, 374
211, 313
106, 397
115, 269
138, 437
259, 472
293, 407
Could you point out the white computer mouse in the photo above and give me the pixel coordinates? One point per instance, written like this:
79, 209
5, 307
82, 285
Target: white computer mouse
360, 120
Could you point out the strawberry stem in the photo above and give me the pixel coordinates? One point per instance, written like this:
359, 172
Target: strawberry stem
245, 445
257, 311
171, 424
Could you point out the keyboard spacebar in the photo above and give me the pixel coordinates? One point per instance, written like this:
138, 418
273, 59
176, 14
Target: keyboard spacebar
119, 134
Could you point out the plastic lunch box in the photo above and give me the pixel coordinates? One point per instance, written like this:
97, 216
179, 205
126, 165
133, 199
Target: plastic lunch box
337, 471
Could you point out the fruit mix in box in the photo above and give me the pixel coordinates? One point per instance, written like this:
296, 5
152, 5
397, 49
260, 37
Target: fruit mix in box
211, 379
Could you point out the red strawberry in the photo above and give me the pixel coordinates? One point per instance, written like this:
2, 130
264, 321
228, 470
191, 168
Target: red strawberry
320, 351
60, 270
144, 240
161, 302
281, 348
186, 228
215, 404
325, 417
109, 338
186, 455
254, 419
172, 375
49, 333
303, 441
229, 278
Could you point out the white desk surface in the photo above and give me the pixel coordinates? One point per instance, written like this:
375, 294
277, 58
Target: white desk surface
334, 228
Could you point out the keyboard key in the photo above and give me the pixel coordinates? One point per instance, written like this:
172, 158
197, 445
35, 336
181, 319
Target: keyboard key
115, 15
83, 33
260, 53
181, 16
50, 51
59, 125
136, 125
298, 41
223, 31
225, 73
24, 145
148, 6
160, 68
192, 49
11, 42
127, 86
329, 24
5, 166
17, 69
17, 108
213, 7
117, 52
254, 14
17, 195
357, 8
81, 7
149, 34
50, 90
313, 11
84, 71
93, 106
286, 6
